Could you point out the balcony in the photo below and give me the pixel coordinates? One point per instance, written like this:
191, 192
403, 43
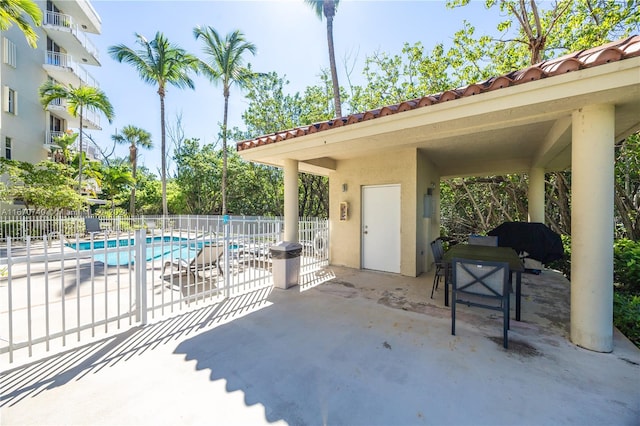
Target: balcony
65, 32
83, 12
65, 70
90, 119
88, 148
49, 139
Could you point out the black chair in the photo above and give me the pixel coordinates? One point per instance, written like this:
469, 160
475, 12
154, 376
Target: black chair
441, 270
92, 226
482, 284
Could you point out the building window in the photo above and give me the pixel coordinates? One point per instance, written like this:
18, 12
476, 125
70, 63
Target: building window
11, 101
54, 55
9, 52
7, 148
55, 124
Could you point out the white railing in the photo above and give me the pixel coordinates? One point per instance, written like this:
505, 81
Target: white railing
65, 22
90, 118
37, 223
64, 284
50, 138
66, 61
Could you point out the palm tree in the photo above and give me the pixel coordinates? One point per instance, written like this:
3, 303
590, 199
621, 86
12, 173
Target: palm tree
78, 100
226, 65
62, 153
135, 137
160, 63
328, 8
14, 11
114, 179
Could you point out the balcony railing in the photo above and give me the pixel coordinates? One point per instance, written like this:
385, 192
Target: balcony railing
63, 21
63, 60
51, 136
91, 119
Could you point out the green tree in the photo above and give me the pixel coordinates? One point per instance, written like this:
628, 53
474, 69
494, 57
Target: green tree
256, 190
14, 11
79, 99
115, 180
627, 187
393, 79
328, 8
46, 185
64, 142
149, 192
224, 63
198, 177
588, 23
135, 137
270, 110
160, 63
535, 31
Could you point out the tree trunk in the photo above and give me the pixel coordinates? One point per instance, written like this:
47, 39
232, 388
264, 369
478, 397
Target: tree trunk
163, 148
224, 152
561, 200
133, 157
80, 156
625, 209
332, 64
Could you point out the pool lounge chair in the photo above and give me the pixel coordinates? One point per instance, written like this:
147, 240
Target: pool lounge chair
92, 226
207, 259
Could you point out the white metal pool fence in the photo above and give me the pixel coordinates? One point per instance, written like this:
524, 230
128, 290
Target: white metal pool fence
63, 283
37, 223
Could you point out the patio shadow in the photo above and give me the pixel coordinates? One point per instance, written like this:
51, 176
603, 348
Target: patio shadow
338, 356
31, 379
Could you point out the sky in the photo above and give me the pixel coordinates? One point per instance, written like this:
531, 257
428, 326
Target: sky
290, 39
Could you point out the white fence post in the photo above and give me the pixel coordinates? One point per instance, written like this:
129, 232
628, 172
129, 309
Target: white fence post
10, 297
140, 264
227, 268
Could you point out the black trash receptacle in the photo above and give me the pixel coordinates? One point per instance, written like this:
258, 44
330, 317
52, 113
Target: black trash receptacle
285, 261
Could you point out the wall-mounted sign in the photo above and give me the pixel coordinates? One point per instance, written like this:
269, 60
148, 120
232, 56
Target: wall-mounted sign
344, 211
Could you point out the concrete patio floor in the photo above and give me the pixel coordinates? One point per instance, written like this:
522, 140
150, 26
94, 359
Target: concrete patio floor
365, 348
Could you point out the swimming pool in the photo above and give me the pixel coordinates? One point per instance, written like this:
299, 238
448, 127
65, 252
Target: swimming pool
174, 247
99, 244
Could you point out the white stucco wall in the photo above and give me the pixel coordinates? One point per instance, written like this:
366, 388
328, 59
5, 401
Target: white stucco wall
26, 128
414, 173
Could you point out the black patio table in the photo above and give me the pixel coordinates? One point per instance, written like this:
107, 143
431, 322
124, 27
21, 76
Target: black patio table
489, 253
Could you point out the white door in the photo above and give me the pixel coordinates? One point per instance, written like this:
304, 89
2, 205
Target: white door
381, 228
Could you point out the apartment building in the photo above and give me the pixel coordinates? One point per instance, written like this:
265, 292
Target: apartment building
65, 54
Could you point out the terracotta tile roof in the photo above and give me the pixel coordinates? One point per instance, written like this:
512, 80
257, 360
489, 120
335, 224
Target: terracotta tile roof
610, 52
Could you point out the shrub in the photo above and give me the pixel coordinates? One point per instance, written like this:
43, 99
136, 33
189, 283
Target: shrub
626, 315
626, 266
626, 298
563, 265
13, 229
626, 277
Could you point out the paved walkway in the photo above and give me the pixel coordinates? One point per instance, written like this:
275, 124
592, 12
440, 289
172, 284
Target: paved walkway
363, 349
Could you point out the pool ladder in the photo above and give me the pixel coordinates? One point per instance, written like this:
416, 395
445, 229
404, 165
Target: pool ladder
50, 236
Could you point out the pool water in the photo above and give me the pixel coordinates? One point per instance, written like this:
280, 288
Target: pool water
99, 244
177, 248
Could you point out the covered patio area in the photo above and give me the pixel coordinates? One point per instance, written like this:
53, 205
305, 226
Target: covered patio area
365, 348
385, 165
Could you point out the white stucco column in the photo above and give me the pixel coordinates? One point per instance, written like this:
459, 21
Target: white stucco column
592, 158
291, 200
536, 194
